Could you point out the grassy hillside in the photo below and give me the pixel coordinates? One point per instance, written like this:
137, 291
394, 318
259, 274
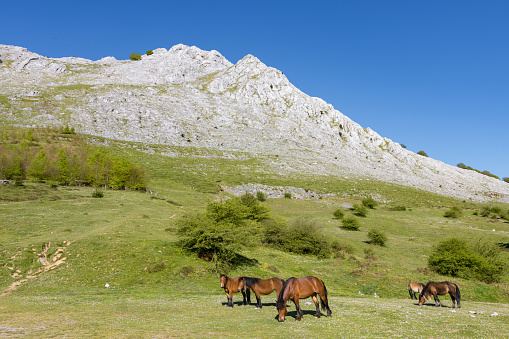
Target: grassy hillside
127, 239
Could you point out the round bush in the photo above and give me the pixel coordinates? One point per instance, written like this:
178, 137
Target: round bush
454, 212
351, 224
338, 214
134, 56
360, 210
481, 260
377, 237
261, 196
369, 203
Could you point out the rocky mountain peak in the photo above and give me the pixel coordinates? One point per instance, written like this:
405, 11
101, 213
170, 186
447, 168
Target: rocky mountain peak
185, 96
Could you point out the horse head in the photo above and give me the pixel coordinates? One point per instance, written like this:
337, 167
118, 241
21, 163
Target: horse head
223, 278
242, 284
282, 311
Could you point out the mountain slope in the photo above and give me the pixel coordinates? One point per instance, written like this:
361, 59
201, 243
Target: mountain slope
188, 97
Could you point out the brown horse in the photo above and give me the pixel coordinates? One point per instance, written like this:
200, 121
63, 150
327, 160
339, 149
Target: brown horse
301, 288
260, 286
440, 288
414, 288
231, 285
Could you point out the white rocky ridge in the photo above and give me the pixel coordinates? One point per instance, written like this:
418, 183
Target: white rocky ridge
185, 96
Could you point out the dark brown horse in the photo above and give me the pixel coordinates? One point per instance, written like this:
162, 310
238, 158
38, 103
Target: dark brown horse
414, 288
301, 288
231, 285
440, 288
260, 286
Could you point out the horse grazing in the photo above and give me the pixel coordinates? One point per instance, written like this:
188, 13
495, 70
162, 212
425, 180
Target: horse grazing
414, 288
232, 285
261, 286
440, 288
301, 288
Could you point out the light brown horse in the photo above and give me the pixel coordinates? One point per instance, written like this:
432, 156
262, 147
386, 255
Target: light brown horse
260, 286
231, 285
440, 288
414, 288
301, 288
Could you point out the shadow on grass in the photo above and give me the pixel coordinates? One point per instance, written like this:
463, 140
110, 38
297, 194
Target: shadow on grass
306, 313
433, 305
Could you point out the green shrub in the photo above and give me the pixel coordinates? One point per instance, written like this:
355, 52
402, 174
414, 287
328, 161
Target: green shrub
453, 212
481, 260
398, 208
360, 210
288, 195
210, 240
338, 247
300, 236
218, 233
261, 196
377, 237
369, 203
134, 56
338, 214
422, 153
350, 224
97, 193
150, 52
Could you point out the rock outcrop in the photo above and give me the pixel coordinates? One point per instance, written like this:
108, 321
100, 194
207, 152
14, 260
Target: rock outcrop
185, 96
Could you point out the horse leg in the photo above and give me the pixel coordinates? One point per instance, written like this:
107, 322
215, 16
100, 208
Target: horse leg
230, 299
453, 298
412, 294
248, 293
299, 311
437, 301
258, 299
244, 298
317, 304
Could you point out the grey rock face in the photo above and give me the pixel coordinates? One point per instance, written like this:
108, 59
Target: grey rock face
185, 96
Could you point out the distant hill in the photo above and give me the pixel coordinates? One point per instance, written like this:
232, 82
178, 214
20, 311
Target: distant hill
188, 97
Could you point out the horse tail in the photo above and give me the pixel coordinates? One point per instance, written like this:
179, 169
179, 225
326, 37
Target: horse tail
458, 294
324, 304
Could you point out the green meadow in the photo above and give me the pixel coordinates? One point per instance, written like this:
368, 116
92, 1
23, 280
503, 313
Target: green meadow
112, 266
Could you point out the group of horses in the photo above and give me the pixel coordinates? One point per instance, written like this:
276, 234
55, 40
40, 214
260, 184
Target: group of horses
302, 288
293, 289
435, 289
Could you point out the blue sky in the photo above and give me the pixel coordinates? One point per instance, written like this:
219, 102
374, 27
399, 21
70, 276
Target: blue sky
433, 75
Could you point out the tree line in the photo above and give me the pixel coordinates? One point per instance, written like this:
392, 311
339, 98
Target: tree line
47, 156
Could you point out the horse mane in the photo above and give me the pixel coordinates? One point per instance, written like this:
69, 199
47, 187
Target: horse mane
250, 281
280, 300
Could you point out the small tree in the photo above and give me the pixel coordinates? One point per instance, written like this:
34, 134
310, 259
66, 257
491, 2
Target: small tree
422, 153
135, 56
